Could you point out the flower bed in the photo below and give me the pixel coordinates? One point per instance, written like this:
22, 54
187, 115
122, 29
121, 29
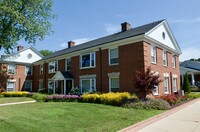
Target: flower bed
174, 99
63, 98
15, 94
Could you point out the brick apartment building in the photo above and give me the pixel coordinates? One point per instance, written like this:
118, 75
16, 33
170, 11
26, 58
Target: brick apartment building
109, 63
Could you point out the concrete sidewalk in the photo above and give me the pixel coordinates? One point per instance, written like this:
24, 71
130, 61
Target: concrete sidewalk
185, 118
24, 102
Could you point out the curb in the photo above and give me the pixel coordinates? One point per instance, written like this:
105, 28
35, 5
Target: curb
136, 127
24, 102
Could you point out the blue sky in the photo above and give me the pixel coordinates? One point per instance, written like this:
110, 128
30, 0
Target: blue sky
83, 20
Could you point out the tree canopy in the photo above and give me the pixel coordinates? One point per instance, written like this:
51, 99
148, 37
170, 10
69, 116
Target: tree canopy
27, 20
46, 52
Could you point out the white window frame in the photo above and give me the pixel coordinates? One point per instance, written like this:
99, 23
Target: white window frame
10, 87
90, 66
28, 81
14, 70
55, 86
175, 85
41, 69
110, 85
117, 57
166, 85
90, 79
155, 90
66, 66
41, 82
164, 58
31, 68
153, 54
173, 61
55, 68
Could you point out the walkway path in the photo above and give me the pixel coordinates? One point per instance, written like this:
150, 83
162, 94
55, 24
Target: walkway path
185, 118
24, 102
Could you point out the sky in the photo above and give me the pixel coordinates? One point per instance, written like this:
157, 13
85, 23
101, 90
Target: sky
84, 20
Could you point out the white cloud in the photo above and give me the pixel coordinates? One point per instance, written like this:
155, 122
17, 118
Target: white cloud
185, 21
77, 42
189, 53
111, 28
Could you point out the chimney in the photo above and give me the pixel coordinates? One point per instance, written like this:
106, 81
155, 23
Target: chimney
125, 26
19, 48
71, 44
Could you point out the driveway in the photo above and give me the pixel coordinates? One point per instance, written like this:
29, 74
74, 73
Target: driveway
185, 118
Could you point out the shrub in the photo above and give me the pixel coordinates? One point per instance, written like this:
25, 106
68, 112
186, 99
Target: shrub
194, 89
194, 95
74, 91
173, 99
15, 94
63, 98
157, 104
39, 97
42, 90
186, 84
107, 98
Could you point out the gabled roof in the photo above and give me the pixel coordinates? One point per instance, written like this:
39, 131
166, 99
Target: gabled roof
107, 39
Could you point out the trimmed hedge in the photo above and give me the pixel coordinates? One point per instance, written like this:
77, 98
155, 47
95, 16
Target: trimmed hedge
193, 95
63, 98
107, 98
15, 94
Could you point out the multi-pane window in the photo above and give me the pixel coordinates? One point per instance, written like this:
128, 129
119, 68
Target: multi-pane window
165, 58
10, 86
41, 69
175, 84
28, 70
173, 61
28, 86
155, 90
53, 66
114, 84
114, 56
166, 85
88, 85
68, 64
88, 60
153, 54
11, 69
52, 87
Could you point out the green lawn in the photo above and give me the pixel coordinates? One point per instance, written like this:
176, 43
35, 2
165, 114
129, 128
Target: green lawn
67, 117
14, 99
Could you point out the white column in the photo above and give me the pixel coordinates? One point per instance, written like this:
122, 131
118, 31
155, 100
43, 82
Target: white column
182, 79
64, 86
72, 83
193, 81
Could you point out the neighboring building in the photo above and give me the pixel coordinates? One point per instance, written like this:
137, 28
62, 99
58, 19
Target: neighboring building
19, 68
193, 70
108, 64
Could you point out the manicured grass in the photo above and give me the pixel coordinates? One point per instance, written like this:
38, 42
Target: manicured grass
13, 99
69, 116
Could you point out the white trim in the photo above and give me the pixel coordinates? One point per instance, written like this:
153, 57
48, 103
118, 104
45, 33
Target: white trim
41, 69
167, 85
14, 88
90, 60
175, 84
14, 69
112, 77
165, 59
90, 79
174, 76
173, 59
31, 81
113, 74
87, 76
26, 70
54, 70
66, 66
153, 49
165, 74
157, 91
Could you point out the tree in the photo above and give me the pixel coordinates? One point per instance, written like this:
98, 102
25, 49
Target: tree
186, 84
3, 77
144, 82
24, 19
46, 52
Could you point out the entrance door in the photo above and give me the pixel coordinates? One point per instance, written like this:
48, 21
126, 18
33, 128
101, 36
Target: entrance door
68, 86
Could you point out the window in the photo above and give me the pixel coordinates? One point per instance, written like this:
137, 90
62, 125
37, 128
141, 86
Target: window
88, 60
166, 80
113, 56
114, 84
41, 69
10, 86
153, 54
40, 85
11, 69
53, 66
28, 86
175, 84
173, 61
165, 58
52, 87
68, 64
88, 85
28, 70
155, 90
